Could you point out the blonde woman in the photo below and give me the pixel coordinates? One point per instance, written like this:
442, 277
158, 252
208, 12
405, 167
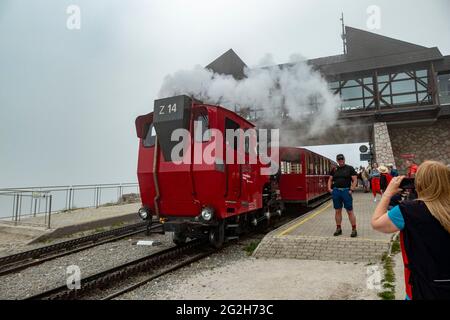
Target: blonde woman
424, 226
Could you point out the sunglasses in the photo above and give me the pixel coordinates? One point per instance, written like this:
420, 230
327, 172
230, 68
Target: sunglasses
340, 158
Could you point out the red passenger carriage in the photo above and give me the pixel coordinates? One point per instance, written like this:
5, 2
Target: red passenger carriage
304, 175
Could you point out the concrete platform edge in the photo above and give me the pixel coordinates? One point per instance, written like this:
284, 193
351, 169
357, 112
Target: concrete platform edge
71, 229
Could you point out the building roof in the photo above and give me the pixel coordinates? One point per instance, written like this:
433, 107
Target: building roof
365, 51
228, 63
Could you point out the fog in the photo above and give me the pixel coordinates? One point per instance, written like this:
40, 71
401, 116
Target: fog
69, 98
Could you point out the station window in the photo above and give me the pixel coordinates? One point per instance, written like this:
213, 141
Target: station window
201, 126
149, 140
444, 88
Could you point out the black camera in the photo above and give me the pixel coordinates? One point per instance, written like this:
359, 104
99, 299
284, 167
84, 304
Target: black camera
407, 183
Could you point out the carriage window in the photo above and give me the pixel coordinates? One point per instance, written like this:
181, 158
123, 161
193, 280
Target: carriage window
296, 168
149, 140
289, 167
316, 165
283, 167
201, 126
310, 165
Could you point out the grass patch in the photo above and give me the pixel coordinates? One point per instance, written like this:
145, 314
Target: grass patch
389, 276
98, 230
118, 224
109, 204
395, 247
251, 247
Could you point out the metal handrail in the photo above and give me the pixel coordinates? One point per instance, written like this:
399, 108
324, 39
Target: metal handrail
36, 194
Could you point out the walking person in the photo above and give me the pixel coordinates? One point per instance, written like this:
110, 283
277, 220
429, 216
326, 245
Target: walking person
411, 168
424, 226
365, 179
385, 178
341, 184
375, 181
392, 171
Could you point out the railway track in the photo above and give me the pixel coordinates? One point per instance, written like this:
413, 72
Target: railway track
26, 259
114, 282
138, 272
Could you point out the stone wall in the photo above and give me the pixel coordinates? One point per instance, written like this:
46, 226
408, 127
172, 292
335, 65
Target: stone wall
428, 142
382, 144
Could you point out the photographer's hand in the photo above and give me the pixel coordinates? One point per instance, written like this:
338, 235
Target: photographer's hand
393, 187
380, 220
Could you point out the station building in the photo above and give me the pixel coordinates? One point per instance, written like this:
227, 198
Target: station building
394, 94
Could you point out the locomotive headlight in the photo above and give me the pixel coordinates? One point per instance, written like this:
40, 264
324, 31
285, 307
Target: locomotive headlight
143, 213
207, 213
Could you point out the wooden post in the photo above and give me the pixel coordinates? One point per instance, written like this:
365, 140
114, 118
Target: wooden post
376, 90
433, 84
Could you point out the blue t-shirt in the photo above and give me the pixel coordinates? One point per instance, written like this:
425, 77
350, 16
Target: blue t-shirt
396, 217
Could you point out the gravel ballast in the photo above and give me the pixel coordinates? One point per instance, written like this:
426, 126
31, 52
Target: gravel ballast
232, 274
52, 273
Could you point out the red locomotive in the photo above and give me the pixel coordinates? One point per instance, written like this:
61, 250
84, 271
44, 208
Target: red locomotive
215, 198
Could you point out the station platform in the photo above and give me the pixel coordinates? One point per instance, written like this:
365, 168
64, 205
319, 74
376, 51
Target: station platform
310, 237
31, 230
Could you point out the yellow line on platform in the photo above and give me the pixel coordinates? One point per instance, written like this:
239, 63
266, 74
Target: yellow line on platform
303, 221
343, 239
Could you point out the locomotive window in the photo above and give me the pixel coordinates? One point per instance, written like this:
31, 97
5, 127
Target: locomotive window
251, 141
201, 126
149, 140
231, 125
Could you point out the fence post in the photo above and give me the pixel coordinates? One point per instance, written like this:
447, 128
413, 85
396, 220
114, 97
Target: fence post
49, 212
73, 197
67, 198
35, 207
13, 208
20, 209
17, 210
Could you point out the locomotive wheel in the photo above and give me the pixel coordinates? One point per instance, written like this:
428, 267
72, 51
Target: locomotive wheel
179, 238
217, 235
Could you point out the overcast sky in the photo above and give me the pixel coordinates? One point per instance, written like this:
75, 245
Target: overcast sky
68, 98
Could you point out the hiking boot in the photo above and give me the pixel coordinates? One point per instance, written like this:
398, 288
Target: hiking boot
354, 233
338, 232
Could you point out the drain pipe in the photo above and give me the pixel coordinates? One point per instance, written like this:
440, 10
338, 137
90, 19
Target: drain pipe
155, 179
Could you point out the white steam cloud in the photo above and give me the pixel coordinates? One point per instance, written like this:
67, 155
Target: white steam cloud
294, 91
